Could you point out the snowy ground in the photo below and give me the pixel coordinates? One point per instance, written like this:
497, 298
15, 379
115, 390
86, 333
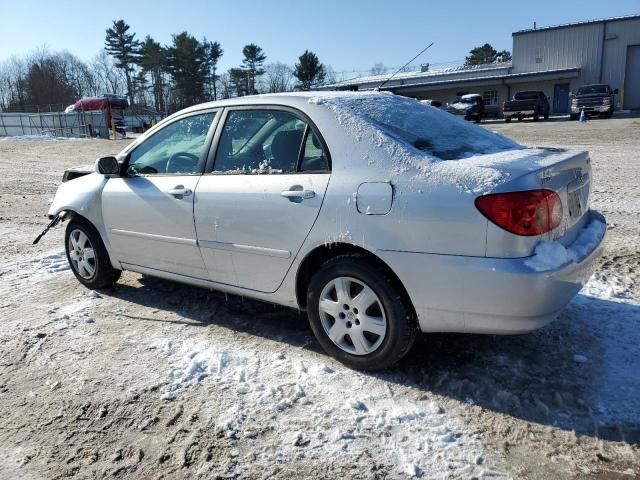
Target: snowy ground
160, 380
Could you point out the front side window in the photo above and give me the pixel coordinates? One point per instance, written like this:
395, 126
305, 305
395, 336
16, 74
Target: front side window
176, 149
266, 142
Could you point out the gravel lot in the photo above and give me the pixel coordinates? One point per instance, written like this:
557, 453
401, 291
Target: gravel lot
158, 380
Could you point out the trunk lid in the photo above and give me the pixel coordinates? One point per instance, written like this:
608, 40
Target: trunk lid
566, 172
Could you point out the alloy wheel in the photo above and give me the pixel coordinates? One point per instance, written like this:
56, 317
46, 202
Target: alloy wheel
82, 254
352, 315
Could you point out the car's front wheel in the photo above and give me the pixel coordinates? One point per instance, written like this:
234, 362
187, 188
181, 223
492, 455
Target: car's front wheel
359, 315
88, 257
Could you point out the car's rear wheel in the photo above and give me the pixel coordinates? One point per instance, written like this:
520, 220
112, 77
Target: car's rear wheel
507, 119
536, 117
359, 315
88, 257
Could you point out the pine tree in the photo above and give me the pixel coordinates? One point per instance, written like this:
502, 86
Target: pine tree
486, 54
187, 64
309, 71
153, 62
252, 64
213, 53
238, 81
125, 49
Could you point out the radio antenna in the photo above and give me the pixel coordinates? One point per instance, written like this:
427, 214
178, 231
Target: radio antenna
402, 67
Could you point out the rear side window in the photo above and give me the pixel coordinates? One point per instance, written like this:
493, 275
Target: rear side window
267, 142
314, 158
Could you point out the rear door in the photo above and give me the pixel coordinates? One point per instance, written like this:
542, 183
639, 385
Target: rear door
261, 196
148, 212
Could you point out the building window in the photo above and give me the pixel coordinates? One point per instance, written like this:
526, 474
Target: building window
538, 59
490, 97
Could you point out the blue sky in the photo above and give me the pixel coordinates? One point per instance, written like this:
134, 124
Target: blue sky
347, 35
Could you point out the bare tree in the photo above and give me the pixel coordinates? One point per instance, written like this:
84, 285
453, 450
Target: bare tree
330, 75
278, 77
12, 84
107, 77
378, 69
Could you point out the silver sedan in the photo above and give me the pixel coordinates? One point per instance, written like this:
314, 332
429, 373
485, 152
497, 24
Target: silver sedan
378, 215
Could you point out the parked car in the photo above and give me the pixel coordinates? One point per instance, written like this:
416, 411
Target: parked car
379, 217
594, 100
526, 104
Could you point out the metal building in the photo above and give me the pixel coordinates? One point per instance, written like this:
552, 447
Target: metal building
556, 60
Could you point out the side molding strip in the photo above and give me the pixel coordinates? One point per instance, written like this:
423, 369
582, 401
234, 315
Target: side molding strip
235, 247
158, 238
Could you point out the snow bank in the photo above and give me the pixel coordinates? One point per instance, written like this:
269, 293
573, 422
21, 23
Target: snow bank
550, 255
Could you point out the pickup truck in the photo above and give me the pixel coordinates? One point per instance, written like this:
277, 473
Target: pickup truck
526, 104
595, 99
471, 106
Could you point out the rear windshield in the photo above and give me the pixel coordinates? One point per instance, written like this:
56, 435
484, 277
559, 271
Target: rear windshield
526, 95
590, 89
421, 128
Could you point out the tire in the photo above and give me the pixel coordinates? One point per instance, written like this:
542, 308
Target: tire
536, 117
507, 119
390, 314
574, 116
94, 272
477, 119
520, 118
546, 116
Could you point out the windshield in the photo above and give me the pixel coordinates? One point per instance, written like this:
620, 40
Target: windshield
526, 95
591, 89
421, 128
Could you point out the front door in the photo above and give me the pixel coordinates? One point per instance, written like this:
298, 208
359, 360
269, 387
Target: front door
255, 208
149, 211
561, 98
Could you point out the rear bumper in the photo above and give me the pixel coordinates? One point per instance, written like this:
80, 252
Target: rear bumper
488, 295
519, 113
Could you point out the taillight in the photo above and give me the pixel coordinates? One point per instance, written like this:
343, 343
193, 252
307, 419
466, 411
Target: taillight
531, 212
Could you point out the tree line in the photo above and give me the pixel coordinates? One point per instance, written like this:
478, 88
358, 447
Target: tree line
163, 77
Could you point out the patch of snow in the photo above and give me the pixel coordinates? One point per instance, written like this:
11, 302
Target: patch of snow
37, 138
551, 254
319, 411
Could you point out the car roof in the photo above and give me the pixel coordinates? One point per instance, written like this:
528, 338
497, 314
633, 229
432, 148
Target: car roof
293, 99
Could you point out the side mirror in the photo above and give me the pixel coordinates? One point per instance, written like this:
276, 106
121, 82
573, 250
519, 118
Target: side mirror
108, 166
615, 92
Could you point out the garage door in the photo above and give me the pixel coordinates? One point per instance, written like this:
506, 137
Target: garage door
632, 79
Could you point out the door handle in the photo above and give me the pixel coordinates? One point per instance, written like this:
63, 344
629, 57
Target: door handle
299, 195
179, 191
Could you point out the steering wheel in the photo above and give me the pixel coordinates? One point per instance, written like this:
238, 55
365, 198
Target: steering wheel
182, 162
